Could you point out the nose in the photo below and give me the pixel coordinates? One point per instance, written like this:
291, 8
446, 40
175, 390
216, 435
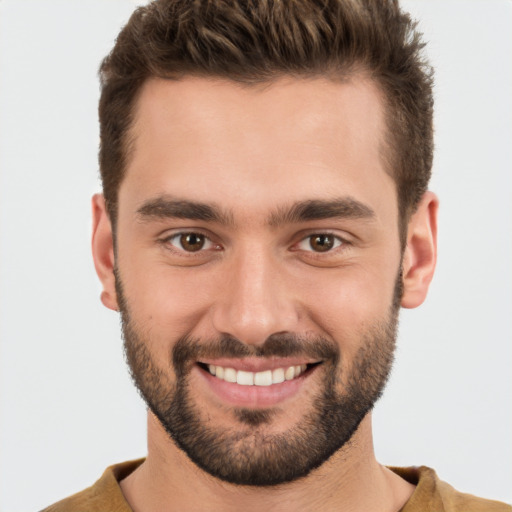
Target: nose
255, 300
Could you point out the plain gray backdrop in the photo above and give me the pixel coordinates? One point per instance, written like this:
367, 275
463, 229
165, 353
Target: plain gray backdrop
67, 406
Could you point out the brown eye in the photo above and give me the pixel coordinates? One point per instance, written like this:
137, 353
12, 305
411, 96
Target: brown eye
192, 242
321, 243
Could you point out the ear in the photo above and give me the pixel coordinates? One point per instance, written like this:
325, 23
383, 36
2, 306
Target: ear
420, 254
103, 251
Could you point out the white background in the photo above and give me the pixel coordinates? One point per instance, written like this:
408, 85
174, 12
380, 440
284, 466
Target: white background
67, 407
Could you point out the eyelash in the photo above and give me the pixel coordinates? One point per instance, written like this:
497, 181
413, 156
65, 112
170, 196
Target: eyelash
338, 242
167, 241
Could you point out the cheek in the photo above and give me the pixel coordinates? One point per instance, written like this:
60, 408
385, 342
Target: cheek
167, 300
348, 301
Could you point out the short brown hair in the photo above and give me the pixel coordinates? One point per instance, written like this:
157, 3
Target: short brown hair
254, 41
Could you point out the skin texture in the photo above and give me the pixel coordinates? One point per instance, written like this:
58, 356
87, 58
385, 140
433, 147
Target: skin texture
252, 153
254, 452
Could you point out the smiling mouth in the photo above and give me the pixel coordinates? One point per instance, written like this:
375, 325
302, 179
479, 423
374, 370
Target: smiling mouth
262, 378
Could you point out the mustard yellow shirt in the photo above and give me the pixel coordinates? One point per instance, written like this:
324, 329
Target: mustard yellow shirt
430, 495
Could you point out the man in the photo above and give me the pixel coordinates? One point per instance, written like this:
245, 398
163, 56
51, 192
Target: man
265, 214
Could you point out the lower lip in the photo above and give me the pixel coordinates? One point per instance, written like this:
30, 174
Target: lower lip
253, 396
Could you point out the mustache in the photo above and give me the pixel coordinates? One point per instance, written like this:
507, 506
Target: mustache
188, 350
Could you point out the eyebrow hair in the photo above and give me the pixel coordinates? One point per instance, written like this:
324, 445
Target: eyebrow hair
318, 209
164, 208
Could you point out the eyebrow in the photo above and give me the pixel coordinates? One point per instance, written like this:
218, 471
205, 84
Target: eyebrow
318, 209
313, 209
168, 208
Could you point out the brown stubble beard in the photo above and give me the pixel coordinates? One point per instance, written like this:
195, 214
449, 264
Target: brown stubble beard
249, 455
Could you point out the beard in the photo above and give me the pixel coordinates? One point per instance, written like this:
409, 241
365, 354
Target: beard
248, 453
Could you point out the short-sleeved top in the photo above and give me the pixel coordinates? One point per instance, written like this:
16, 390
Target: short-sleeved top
430, 495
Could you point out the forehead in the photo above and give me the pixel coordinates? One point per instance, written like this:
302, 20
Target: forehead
316, 108
293, 138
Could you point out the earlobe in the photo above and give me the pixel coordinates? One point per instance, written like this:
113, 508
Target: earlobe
421, 252
103, 251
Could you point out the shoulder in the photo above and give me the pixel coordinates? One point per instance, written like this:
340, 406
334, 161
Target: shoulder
103, 496
432, 494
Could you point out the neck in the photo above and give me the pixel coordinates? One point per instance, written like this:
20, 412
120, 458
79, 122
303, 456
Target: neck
351, 479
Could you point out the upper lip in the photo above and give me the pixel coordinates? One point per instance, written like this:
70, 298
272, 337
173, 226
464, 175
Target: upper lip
255, 364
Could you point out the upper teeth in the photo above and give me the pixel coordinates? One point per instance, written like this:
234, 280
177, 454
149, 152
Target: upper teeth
266, 378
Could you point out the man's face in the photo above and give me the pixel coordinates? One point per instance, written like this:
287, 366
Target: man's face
257, 240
